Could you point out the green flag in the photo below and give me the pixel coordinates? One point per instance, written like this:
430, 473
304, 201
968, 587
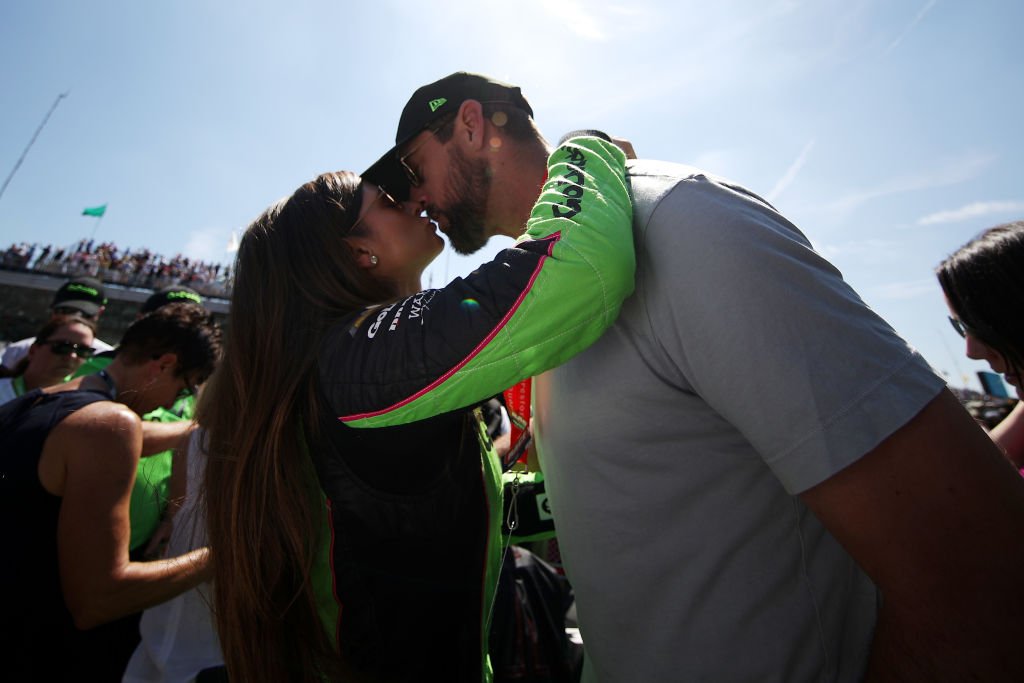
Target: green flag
95, 211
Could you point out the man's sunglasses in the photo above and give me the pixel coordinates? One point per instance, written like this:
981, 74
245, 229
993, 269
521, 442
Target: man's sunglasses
410, 173
63, 348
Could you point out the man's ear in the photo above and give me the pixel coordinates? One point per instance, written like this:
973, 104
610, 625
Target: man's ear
470, 125
167, 361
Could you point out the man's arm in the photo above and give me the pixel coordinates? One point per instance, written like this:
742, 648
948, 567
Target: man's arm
98, 448
935, 516
158, 437
528, 310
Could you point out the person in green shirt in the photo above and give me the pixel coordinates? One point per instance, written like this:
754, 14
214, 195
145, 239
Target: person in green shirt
152, 493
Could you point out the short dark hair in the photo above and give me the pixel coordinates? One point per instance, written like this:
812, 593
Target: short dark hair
185, 330
984, 284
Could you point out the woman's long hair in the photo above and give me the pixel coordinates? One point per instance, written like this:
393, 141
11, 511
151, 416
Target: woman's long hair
294, 277
984, 284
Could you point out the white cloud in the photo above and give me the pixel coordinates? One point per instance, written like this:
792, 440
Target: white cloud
911, 289
973, 210
910, 27
944, 175
871, 249
207, 245
721, 162
578, 18
787, 178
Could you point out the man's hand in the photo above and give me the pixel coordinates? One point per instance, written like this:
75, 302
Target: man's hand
626, 146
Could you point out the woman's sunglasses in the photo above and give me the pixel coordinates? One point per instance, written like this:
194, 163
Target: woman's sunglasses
958, 325
63, 348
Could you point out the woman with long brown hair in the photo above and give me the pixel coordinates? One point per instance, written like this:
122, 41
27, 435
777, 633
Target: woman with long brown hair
371, 554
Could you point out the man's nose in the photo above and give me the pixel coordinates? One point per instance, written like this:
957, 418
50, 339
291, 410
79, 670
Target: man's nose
412, 207
417, 201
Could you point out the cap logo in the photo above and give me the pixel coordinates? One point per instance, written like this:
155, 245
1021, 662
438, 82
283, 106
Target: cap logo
185, 295
436, 104
75, 287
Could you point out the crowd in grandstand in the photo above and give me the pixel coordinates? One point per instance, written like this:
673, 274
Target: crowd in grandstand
122, 266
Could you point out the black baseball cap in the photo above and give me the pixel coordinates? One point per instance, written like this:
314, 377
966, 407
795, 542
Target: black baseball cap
85, 294
426, 106
179, 294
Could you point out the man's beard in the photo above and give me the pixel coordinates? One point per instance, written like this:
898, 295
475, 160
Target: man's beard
470, 183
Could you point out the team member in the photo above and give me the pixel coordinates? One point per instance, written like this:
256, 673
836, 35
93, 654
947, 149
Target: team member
752, 476
84, 297
58, 349
148, 511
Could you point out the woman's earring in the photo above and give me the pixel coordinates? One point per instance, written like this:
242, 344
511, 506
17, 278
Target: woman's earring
373, 259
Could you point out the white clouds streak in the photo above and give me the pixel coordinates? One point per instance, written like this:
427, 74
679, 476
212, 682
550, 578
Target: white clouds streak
951, 173
917, 20
787, 178
973, 210
911, 289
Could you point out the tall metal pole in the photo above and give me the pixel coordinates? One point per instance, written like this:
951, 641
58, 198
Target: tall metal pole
95, 226
30, 142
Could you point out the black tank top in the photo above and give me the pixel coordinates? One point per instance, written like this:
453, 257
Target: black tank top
35, 626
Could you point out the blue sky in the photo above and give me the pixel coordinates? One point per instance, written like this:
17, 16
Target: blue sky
887, 130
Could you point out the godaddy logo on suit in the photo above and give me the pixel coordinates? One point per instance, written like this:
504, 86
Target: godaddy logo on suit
571, 184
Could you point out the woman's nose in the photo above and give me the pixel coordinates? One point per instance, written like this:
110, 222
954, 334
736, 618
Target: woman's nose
975, 349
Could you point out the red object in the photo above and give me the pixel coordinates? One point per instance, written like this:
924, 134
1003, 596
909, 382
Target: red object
517, 402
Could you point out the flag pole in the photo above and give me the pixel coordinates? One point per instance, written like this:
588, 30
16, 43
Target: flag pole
17, 164
96, 225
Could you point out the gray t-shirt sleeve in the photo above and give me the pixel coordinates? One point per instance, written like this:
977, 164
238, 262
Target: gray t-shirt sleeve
767, 332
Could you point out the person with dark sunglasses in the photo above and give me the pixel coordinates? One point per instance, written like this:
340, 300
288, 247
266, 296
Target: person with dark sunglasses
82, 297
60, 348
983, 282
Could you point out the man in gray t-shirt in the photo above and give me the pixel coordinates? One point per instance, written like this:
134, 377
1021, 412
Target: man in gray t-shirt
752, 476
742, 372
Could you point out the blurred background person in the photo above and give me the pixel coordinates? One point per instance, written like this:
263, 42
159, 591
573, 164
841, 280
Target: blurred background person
151, 504
57, 350
983, 283
81, 296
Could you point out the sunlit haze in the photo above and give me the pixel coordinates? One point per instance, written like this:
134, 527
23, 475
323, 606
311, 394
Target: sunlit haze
889, 132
